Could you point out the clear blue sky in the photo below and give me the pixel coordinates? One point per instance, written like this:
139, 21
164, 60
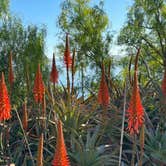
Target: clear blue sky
46, 12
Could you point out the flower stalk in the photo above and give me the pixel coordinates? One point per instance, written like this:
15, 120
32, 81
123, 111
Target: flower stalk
67, 61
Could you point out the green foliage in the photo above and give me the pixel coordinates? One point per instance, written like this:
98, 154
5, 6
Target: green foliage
92, 137
27, 46
88, 29
89, 152
4, 7
155, 147
146, 25
86, 25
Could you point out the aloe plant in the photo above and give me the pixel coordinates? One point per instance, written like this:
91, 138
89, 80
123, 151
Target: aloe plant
89, 152
155, 147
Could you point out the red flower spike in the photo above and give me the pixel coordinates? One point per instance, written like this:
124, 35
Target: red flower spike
54, 72
38, 89
11, 74
135, 112
5, 106
163, 85
60, 158
103, 94
67, 56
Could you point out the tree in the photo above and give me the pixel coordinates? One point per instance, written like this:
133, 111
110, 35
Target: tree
146, 28
146, 25
87, 27
4, 7
27, 46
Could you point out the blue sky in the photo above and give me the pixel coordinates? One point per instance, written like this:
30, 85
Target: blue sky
46, 12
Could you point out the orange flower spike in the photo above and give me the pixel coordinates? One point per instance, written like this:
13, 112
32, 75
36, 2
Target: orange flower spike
11, 74
38, 89
67, 56
163, 85
135, 112
5, 107
54, 72
60, 158
103, 93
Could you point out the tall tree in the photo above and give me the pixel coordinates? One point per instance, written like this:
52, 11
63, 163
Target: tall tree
27, 46
4, 8
87, 27
146, 25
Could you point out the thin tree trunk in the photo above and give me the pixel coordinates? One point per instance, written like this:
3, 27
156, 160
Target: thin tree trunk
27, 78
82, 81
